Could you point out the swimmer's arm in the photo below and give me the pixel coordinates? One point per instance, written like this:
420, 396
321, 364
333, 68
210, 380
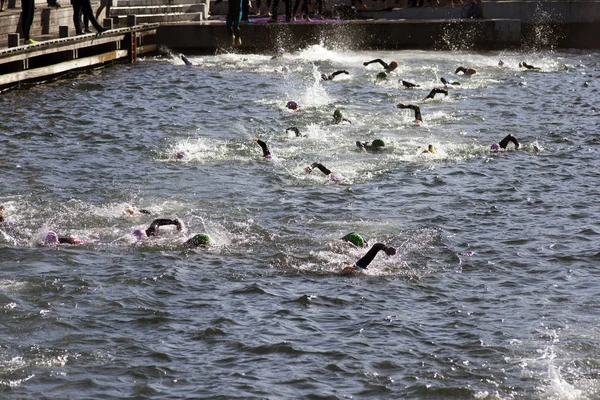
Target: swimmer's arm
367, 258
153, 229
336, 73
379, 60
321, 168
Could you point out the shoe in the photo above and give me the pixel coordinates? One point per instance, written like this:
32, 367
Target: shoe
101, 30
87, 31
31, 41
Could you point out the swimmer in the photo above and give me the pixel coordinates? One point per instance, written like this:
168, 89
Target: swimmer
435, 91
466, 71
375, 145
382, 76
387, 67
495, 147
132, 209
364, 262
355, 239
280, 53
324, 170
53, 238
265, 149
501, 63
529, 67
185, 60
199, 240
2, 209
417, 110
336, 73
430, 149
153, 229
296, 131
409, 85
338, 117
292, 105
446, 83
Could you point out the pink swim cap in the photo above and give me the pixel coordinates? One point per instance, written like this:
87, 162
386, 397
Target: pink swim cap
495, 147
138, 233
51, 238
335, 178
180, 154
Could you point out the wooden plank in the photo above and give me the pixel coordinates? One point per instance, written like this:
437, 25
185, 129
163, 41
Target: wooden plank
55, 69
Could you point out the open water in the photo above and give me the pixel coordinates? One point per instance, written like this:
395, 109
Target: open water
493, 293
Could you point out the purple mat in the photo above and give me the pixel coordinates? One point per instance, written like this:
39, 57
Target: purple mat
281, 20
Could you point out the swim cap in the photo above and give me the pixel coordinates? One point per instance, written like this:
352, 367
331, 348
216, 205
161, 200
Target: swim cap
381, 76
51, 238
393, 65
378, 143
280, 51
500, 63
471, 71
495, 147
337, 115
324, 77
180, 154
200, 239
292, 105
335, 178
138, 233
355, 239
268, 156
431, 148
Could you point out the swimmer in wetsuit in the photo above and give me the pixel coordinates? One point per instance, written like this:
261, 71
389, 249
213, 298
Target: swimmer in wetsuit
185, 60
529, 67
336, 73
417, 110
364, 262
409, 85
296, 131
53, 238
446, 83
387, 67
324, 170
154, 226
505, 142
466, 71
338, 117
435, 91
375, 145
263, 146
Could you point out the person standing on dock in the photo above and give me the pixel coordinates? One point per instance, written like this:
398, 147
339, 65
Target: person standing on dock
234, 16
27, 9
84, 7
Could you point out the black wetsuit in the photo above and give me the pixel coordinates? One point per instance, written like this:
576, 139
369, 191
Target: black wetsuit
417, 110
508, 139
321, 168
525, 65
185, 60
409, 84
435, 91
379, 60
367, 258
336, 73
460, 69
153, 229
265, 149
295, 130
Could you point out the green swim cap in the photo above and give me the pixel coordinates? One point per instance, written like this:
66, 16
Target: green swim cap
337, 114
355, 239
378, 143
200, 239
381, 76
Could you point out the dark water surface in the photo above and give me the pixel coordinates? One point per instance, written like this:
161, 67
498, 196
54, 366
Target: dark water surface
493, 293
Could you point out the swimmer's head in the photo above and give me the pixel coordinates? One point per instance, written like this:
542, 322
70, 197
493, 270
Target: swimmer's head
431, 148
324, 77
337, 116
382, 76
200, 239
335, 178
180, 154
355, 239
130, 209
280, 51
495, 147
268, 156
292, 105
378, 143
51, 238
139, 234
471, 71
500, 63
392, 66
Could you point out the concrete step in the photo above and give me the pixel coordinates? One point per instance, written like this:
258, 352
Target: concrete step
151, 3
182, 17
154, 10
